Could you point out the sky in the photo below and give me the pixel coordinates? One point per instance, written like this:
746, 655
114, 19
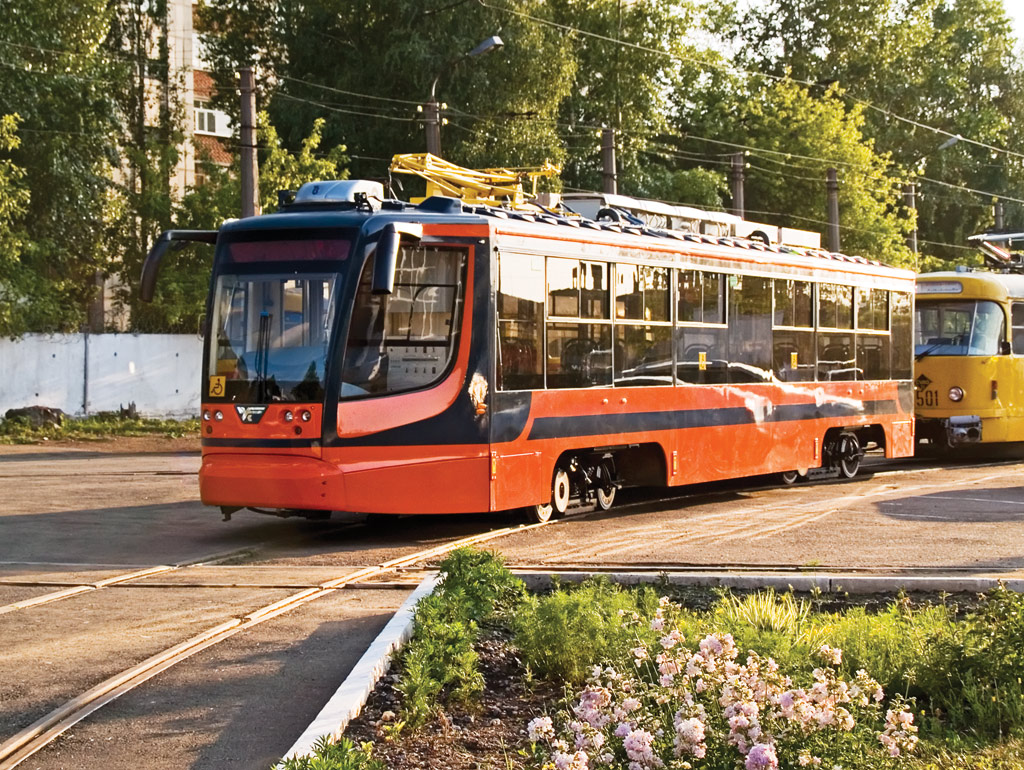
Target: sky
1015, 10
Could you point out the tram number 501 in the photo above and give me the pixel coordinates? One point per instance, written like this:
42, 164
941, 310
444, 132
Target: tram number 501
927, 398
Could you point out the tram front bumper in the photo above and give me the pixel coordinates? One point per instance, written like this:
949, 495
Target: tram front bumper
954, 431
270, 481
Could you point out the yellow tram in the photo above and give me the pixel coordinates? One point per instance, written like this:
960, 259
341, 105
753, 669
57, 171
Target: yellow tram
969, 358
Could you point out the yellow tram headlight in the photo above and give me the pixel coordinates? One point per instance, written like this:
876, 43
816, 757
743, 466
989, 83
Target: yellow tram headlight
956, 394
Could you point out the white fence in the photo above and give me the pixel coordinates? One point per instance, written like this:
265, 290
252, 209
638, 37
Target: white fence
89, 373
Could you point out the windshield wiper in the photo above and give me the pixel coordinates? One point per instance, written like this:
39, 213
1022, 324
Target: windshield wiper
262, 354
929, 350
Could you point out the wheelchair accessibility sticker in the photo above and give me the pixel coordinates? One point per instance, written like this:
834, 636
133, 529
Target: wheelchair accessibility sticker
217, 385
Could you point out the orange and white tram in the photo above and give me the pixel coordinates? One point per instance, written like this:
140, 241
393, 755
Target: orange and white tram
385, 357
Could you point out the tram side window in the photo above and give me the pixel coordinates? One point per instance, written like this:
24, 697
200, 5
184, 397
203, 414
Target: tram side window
643, 352
750, 328
901, 341
1017, 322
701, 297
873, 349
793, 332
406, 340
578, 355
520, 322
837, 354
835, 306
873, 309
641, 293
701, 337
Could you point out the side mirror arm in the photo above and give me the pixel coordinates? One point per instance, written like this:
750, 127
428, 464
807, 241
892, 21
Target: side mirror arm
386, 254
167, 240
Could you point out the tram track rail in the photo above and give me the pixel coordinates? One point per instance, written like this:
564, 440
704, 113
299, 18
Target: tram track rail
45, 730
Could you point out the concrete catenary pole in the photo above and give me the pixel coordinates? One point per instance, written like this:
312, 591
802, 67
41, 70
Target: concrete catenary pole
832, 193
247, 139
610, 174
910, 201
432, 124
736, 178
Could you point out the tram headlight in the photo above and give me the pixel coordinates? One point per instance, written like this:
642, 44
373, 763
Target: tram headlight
306, 415
956, 394
206, 415
218, 415
288, 416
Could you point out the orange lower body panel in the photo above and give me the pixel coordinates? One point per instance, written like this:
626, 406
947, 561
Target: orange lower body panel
402, 485
270, 481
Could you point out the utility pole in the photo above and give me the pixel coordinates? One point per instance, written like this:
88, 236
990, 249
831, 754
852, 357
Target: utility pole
910, 201
247, 139
832, 193
432, 123
609, 174
998, 212
736, 179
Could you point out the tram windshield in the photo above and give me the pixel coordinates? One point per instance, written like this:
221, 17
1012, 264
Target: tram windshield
273, 310
958, 328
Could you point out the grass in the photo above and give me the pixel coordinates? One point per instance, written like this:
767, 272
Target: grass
94, 427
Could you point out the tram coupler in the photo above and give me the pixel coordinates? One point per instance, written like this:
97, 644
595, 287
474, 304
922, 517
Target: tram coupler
963, 429
227, 510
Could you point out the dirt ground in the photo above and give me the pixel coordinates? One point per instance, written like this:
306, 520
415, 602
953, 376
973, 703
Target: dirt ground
487, 737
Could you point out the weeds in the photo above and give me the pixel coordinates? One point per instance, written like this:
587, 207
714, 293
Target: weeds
18, 430
328, 755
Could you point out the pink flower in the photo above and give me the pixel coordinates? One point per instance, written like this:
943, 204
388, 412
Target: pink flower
761, 757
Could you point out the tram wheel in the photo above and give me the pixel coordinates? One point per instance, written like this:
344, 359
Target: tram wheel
560, 492
540, 513
789, 478
850, 455
605, 498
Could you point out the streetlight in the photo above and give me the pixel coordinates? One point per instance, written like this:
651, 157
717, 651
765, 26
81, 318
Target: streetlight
432, 117
910, 189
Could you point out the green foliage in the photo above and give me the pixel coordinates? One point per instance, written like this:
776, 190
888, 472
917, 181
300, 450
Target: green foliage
439, 663
330, 755
975, 676
564, 634
478, 583
14, 197
98, 426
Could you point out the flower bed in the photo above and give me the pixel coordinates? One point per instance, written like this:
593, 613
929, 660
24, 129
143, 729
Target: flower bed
601, 677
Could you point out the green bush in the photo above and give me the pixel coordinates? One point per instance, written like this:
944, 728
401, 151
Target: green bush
478, 583
975, 678
439, 663
562, 635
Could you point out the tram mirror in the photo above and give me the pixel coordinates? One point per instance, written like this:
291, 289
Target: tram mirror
1005, 348
386, 254
167, 240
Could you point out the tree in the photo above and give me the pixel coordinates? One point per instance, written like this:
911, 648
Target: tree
384, 58
796, 136
14, 198
185, 279
59, 79
948, 64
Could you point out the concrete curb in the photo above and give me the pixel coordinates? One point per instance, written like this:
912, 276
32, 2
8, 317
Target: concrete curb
351, 696
853, 584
